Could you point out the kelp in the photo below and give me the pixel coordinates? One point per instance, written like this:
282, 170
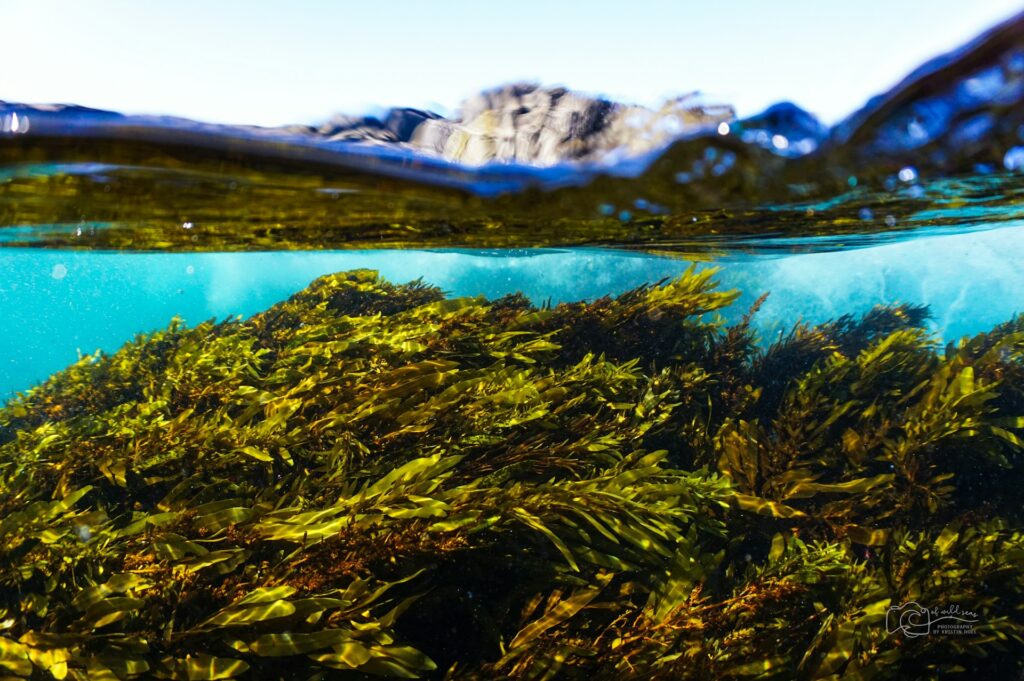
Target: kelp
372, 480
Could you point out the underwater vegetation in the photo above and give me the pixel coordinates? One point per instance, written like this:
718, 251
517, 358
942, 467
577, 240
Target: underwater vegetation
372, 480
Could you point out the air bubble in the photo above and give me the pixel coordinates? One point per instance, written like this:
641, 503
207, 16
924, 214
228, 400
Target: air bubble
725, 165
59, 271
908, 174
916, 131
805, 146
1014, 159
866, 214
13, 123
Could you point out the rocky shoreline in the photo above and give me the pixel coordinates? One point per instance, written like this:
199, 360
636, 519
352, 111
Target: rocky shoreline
529, 123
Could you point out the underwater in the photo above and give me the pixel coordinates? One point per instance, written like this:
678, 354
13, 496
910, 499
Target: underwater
550, 386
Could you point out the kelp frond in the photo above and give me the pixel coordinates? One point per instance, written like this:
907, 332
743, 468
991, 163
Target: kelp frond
372, 479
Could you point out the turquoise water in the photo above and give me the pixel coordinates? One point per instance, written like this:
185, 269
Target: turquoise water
57, 304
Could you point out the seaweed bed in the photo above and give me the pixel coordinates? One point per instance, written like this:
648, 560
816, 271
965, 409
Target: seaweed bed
370, 479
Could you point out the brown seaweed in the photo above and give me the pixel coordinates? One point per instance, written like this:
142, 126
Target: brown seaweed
374, 480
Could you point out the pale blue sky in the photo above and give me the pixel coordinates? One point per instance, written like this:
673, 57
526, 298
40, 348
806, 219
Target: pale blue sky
298, 61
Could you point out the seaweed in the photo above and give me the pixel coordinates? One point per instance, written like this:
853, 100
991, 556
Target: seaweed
371, 479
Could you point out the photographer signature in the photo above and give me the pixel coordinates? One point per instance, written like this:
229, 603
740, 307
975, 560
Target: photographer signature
913, 620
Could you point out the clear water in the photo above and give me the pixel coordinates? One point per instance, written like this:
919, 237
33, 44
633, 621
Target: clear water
68, 303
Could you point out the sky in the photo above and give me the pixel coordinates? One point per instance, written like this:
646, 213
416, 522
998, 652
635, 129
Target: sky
299, 61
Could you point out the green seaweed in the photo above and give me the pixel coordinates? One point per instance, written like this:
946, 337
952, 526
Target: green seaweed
373, 480
142, 198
